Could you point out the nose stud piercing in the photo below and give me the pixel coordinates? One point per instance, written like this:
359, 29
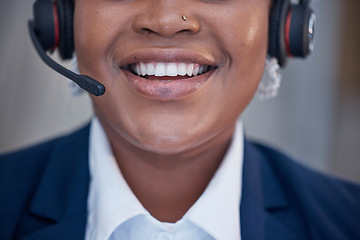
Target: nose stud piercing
183, 18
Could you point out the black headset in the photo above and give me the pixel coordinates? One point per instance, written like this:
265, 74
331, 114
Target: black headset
291, 32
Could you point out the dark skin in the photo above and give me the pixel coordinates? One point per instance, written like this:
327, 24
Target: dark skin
170, 137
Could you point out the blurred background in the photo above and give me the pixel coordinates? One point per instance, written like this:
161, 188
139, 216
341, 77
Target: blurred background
315, 118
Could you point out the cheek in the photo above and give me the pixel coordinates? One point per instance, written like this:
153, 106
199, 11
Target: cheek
94, 34
246, 46
245, 42
246, 39
84, 27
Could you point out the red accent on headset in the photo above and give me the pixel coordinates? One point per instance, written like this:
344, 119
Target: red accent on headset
287, 34
56, 26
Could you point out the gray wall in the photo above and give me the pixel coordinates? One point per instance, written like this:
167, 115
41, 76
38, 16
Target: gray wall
36, 104
301, 119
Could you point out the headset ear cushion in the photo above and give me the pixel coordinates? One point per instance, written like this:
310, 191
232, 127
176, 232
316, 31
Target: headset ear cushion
277, 21
45, 24
66, 25
299, 39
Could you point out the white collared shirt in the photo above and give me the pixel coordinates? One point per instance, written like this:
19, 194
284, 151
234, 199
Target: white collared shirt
112, 204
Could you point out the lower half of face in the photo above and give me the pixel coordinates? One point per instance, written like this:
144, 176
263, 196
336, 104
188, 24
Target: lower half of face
172, 84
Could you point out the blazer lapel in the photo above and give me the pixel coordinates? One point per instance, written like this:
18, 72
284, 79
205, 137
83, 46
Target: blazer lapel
72, 228
63, 190
262, 196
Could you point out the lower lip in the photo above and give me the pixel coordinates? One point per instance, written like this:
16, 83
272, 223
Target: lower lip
167, 90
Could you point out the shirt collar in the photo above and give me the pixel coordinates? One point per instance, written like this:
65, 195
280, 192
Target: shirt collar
217, 209
111, 202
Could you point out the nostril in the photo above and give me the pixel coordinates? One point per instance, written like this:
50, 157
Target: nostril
185, 31
147, 30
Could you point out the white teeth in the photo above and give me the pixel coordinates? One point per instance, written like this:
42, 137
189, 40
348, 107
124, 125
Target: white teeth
143, 69
160, 70
196, 70
150, 69
182, 69
190, 69
137, 69
171, 69
168, 69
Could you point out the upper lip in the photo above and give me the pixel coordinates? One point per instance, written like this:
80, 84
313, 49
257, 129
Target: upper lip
167, 56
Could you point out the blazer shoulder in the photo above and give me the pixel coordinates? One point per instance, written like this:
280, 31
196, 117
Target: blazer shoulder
283, 164
33, 159
41, 150
21, 172
329, 203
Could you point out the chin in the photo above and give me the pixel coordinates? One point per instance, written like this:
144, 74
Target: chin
166, 145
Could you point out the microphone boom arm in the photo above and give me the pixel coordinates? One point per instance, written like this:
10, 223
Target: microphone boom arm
85, 82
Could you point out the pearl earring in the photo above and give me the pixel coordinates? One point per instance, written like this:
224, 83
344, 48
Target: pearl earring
270, 83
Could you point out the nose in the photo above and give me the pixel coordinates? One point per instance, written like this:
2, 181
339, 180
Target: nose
166, 18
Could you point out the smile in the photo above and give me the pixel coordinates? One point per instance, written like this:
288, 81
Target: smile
167, 74
167, 81
160, 70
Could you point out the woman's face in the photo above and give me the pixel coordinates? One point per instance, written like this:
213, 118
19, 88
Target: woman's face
118, 40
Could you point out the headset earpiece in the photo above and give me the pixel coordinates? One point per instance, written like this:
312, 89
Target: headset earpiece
54, 25
291, 29
301, 31
66, 25
46, 24
277, 30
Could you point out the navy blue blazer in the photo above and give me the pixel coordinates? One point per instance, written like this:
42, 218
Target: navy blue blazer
44, 192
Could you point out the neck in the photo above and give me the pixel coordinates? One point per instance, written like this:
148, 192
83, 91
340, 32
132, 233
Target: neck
167, 186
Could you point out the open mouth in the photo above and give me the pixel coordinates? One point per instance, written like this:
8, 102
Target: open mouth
167, 72
172, 79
